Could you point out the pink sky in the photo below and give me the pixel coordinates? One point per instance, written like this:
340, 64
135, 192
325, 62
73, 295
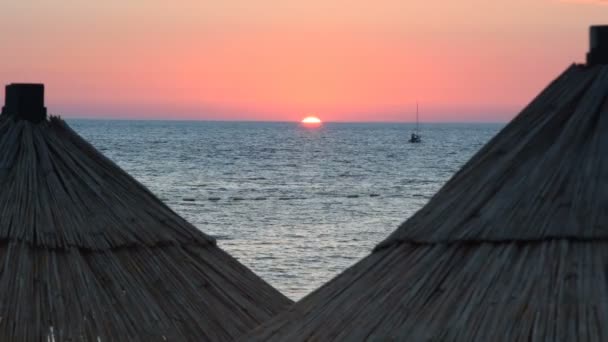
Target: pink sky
357, 60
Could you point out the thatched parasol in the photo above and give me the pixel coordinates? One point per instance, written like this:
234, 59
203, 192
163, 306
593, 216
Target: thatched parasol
87, 253
513, 248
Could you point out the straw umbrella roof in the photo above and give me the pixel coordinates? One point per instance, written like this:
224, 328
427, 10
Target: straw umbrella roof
512, 248
87, 253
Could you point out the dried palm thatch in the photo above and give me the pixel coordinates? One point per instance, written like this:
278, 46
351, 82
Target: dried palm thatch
87, 253
513, 248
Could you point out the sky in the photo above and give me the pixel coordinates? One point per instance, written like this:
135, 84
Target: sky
342, 60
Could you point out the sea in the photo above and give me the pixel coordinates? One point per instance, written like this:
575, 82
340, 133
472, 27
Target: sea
296, 204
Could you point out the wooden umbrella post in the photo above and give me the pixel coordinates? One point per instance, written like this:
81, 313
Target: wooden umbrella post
598, 45
25, 101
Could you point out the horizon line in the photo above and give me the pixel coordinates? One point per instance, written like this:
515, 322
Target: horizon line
276, 121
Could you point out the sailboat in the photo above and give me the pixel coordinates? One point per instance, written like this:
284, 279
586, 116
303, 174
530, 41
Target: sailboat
415, 137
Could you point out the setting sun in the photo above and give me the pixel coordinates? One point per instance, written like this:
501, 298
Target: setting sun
311, 120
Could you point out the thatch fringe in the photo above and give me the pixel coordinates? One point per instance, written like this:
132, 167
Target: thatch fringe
87, 253
540, 291
129, 294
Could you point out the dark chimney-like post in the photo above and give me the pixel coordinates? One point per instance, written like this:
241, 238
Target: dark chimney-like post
598, 47
25, 101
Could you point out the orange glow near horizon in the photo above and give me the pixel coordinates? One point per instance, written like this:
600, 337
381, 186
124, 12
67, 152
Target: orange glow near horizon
364, 60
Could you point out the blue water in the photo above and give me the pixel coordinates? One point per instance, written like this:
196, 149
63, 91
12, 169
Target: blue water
297, 205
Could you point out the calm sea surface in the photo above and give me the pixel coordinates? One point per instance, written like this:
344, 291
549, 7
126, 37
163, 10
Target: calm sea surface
296, 205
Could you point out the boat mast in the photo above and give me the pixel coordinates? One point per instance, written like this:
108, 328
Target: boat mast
416, 117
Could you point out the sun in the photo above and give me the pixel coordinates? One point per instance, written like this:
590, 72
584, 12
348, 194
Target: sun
313, 120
